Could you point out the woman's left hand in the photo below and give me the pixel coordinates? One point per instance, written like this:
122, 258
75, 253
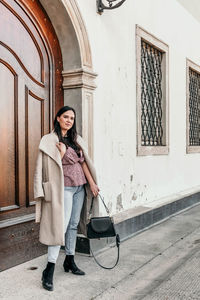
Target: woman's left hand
94, 189
62, 148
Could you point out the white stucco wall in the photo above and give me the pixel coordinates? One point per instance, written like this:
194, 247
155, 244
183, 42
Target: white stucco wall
192, 6
125, 179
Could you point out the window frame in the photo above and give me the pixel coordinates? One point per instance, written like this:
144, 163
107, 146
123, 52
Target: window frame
196, 68
142, 34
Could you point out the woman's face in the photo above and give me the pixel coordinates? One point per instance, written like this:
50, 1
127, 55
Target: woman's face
66, 120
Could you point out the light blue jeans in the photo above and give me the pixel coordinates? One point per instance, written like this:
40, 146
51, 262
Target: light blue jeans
73, 202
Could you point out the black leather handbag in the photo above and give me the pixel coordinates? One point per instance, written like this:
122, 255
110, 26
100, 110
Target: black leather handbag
102, 227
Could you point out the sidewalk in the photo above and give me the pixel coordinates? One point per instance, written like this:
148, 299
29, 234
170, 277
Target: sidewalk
154, 265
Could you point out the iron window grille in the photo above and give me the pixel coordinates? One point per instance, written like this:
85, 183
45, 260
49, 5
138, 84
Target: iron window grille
152, 66
151, 96
194, 108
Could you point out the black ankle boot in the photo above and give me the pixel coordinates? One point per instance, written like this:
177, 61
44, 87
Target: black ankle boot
47, 276
69, 264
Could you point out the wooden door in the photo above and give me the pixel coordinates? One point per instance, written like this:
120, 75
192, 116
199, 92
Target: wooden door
30, 92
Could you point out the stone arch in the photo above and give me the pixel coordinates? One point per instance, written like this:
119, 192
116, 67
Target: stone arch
70, 29
78, 75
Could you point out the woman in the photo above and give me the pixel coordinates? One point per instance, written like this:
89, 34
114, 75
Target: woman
63, 173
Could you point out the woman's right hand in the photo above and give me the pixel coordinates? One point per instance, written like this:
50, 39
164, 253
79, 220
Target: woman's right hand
62, 148
94, 189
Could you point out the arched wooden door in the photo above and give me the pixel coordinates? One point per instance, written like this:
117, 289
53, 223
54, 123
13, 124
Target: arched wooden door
30, 92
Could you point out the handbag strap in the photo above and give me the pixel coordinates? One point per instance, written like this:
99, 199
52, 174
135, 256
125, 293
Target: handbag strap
117, 244
90, 211
117, 235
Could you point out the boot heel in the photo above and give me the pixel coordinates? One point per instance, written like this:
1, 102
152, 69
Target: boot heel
42, 276
66, 269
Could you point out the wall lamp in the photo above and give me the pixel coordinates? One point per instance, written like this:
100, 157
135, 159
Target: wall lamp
110, 4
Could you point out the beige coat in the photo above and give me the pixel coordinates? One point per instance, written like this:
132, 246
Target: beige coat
49, 191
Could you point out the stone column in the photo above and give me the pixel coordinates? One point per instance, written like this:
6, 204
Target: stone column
78, 85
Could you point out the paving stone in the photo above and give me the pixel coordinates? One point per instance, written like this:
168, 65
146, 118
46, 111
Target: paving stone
159, 263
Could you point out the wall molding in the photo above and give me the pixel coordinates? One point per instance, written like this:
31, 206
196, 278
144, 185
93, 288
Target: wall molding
81, 33
79, 78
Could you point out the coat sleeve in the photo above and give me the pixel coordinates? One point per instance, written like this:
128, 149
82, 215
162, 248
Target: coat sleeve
87, 159
38, 189
82, 143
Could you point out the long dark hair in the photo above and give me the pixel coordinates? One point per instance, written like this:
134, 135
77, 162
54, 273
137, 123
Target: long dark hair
71, 133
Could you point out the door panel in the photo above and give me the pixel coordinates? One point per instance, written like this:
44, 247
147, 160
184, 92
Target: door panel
22, 54
11, 19
7, 129
34, 132
28, 96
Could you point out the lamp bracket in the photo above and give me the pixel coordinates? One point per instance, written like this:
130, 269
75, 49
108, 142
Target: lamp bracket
110, 5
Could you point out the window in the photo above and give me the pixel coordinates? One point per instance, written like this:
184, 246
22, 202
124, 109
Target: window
193, 107
152, 94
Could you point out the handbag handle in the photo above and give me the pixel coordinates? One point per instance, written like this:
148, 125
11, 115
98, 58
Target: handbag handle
109, 268
117, 235
102, 199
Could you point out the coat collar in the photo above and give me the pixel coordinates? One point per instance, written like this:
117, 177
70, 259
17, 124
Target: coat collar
48, 146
